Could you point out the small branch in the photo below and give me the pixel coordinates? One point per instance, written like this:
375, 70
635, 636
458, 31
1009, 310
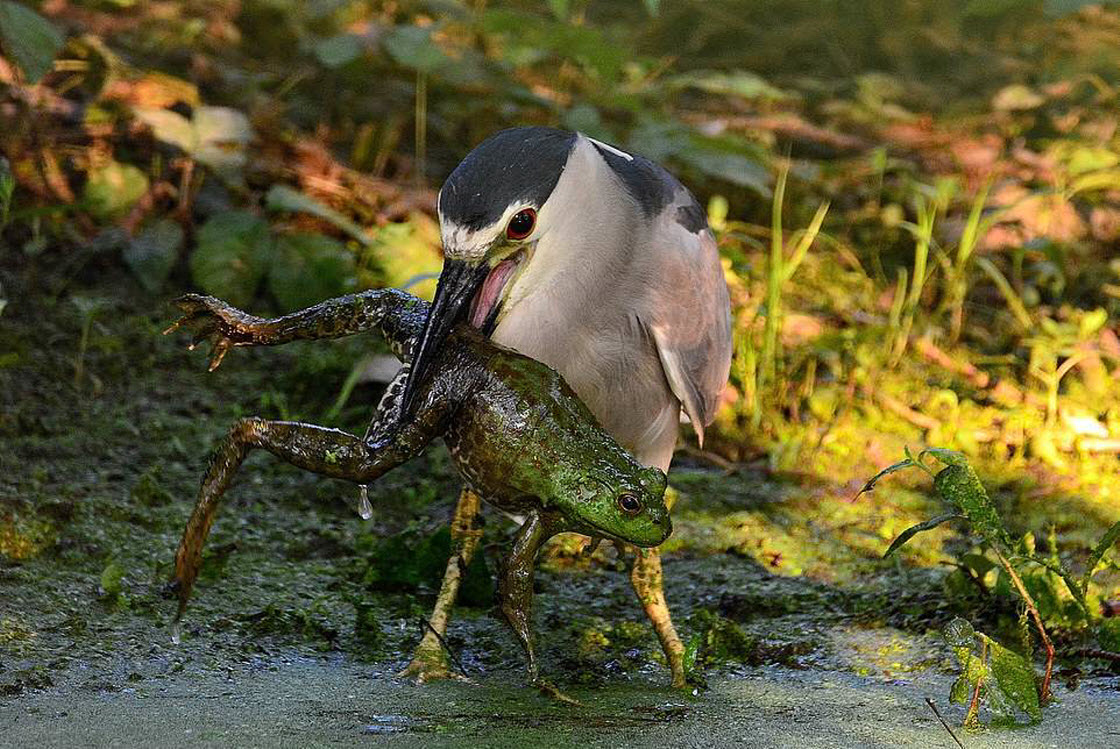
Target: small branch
425, 624
929, 350
973, 713
937, 713
899, 408
1106, 655
1044, 692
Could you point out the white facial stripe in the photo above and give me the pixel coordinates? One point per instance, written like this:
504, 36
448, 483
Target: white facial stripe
463, 243
612, 149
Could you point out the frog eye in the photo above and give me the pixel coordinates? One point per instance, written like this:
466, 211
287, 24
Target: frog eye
629, 504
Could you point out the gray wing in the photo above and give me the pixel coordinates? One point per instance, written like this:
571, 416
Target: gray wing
689, 312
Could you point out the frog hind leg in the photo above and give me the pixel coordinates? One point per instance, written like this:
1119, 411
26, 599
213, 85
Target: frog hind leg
515, 589
429, 661
329, 452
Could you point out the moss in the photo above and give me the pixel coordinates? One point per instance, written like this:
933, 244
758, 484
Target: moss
23, 537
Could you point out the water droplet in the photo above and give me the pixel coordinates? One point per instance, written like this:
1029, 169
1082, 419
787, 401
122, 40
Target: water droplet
176, 632
365, 509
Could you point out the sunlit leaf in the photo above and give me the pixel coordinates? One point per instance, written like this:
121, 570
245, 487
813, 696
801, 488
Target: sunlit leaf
1110, 538
152, 253
169, 127
221, 138
1091, 159
960, 486
1015, 678
740, 83
112, 189
29, 39
308, 268
410, 250
1108, 179
231, 256
1016, 97
899, 466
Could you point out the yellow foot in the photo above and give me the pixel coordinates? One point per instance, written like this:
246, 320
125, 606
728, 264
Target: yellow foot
549, 690
430, 665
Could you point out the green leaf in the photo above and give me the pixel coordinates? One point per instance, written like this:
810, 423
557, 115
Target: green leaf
1085, 159
1016, 97
222, 136
741, 83
31, 40
913, 530
960, 486
169, 127
959, 633
152, 254
112, 190
1015, 678
231, 255
961, 691
111, 580
1108, 179
1059, 8
412, 47
899, 466
285, 198
409, 255
653, 7
308, 268
338, 51
730, 167
1110, 538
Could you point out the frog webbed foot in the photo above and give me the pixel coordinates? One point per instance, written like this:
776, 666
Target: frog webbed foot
210, 319
548, 689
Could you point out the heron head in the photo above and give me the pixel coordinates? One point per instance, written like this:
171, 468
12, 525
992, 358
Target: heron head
493, 211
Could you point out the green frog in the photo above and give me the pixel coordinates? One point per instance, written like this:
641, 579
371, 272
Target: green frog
520, 437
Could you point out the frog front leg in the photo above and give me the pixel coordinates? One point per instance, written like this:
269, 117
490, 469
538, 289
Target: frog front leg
329, 452
396, 314
515, 589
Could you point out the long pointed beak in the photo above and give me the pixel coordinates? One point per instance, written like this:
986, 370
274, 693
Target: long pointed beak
458, 283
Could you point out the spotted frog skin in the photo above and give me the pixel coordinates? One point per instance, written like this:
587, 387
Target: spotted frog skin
518, 434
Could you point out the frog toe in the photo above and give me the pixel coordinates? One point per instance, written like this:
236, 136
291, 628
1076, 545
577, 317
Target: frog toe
548, 689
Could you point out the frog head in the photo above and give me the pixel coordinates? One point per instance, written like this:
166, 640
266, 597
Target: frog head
614, 498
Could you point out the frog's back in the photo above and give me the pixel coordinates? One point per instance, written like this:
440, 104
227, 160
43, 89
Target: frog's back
520, 425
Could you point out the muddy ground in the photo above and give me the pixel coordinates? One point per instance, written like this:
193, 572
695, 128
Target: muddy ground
304, 613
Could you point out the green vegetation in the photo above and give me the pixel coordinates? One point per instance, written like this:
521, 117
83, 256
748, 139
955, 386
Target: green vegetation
918, 209
958, 485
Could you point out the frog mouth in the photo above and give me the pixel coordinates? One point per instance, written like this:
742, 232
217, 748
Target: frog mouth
488, 301
598, 533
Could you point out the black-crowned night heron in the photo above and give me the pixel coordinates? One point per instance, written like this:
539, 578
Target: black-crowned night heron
600, 264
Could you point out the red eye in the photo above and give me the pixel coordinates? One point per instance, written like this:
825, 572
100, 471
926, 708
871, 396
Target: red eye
522, 224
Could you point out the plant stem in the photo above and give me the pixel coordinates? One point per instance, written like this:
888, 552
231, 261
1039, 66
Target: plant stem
421, 125
1044, 691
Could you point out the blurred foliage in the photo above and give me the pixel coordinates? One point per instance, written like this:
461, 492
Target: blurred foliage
917, 205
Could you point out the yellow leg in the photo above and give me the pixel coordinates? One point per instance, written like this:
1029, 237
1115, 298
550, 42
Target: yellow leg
645, 577
429, 661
